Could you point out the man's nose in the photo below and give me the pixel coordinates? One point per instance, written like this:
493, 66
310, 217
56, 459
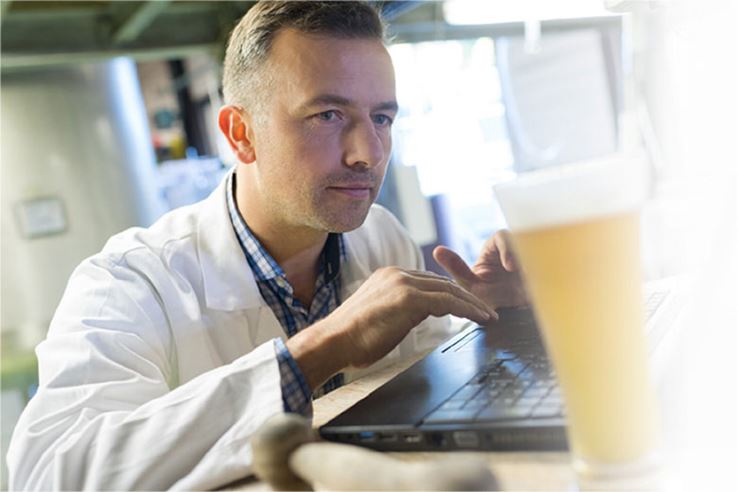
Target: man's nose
364, 146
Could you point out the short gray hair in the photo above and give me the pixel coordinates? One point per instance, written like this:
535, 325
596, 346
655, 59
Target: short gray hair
244, 81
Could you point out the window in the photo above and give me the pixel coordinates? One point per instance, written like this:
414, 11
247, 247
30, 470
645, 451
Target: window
452, 129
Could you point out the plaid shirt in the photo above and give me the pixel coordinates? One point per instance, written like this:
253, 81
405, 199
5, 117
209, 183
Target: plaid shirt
292, 315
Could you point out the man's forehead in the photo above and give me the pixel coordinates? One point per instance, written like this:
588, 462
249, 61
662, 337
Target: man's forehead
326, 52
319, 68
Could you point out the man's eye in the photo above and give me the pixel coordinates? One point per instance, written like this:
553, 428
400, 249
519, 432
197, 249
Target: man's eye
382, 120
327, 115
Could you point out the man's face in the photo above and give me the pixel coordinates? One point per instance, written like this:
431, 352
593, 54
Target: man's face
324, 140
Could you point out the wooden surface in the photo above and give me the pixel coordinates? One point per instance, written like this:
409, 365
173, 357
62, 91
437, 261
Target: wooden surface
514, 470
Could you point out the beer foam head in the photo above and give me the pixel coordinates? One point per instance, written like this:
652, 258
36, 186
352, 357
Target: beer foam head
575, 192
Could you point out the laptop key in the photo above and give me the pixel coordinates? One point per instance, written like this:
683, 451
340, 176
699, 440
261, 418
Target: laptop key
512, 392
523, 384
497, 385
528, 375
466, 392
476, 404
545, 410
541, 384
514, 367
501, 355
496, 412
493, 394
551, 400
535, 392
529, 400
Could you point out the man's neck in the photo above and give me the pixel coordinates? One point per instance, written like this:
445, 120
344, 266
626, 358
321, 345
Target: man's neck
295, 249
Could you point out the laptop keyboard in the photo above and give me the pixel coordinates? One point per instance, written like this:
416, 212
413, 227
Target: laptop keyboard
508, 388
514, 386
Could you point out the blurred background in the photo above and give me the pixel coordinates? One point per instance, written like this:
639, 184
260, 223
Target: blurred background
109, 120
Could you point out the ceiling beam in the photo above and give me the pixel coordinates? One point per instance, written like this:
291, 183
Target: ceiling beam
4, 6
15, 63
138, 21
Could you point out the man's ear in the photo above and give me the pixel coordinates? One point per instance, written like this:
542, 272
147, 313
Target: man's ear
235, 125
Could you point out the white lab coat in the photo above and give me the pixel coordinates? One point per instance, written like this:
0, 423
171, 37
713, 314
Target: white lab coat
159, 363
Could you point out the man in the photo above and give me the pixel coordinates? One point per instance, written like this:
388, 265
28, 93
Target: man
176, 342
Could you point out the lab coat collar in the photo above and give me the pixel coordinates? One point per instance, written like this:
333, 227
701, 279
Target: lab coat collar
356, 268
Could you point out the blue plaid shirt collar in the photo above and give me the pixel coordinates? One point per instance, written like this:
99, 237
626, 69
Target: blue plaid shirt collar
278, 294
264, 267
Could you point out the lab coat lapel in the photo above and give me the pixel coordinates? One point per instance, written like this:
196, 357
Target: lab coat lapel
228, 281
267, 328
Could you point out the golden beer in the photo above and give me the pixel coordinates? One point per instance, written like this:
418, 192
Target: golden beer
586, 288
576, 234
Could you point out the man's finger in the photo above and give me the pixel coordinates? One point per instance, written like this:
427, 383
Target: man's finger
455, 265
503, 243
426, 274
427, 284
443, 303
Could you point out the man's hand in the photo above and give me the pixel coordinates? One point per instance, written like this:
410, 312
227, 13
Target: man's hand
377, 317
494, 278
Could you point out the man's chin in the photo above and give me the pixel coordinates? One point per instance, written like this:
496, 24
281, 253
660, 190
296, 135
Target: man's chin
345, 220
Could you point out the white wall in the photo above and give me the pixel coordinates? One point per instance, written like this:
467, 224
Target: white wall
79, 134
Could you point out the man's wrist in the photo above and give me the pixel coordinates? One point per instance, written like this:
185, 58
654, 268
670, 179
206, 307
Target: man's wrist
318, 351
296, 394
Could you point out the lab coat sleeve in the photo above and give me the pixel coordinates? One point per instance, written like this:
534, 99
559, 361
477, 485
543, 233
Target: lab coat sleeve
106, 415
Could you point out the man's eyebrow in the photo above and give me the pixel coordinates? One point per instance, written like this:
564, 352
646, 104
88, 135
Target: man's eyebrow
326, 99
387, 106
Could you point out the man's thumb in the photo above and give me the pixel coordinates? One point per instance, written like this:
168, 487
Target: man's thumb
455, 265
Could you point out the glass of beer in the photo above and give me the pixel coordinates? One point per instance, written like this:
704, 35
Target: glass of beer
575, 231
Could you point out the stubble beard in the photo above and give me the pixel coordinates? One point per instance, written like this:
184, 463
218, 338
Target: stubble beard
328, 215
319, 208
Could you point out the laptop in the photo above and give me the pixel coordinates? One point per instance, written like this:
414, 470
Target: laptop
487, 388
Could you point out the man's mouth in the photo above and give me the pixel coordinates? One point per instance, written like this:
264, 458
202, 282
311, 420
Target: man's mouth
353, 191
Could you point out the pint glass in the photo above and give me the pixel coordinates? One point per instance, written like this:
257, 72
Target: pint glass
575, 230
